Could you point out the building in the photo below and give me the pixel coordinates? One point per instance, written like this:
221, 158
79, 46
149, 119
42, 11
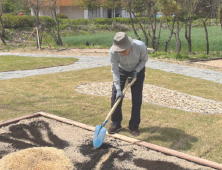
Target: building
68, 8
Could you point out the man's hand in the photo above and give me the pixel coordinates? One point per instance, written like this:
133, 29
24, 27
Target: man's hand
119, 94
134, 74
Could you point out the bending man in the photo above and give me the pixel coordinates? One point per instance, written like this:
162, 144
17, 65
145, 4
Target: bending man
128, 58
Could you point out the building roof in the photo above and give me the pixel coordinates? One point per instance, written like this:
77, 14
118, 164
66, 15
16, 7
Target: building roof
72, 2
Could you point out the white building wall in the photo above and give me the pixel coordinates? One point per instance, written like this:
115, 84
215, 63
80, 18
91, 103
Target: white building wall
86, 14
125, 14
77, 13
45, 11
105, 13
101, 13
73, 12
96, 13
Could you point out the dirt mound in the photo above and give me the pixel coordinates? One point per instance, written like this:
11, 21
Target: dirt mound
37, 158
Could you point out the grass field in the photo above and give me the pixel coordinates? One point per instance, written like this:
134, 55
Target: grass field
11, 63
188, 132
105, 39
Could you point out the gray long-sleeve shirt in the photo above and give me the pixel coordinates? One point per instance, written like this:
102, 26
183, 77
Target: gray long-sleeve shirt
135, 60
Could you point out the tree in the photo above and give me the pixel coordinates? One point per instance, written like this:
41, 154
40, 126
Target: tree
51, 5
129, 9
220, 11
36, 6
15, 6
172, 8
88, 5
112, 4
2, 34
144, 12
191, 7
211, 5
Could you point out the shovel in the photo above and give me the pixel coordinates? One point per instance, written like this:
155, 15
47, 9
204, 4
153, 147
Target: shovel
100, 130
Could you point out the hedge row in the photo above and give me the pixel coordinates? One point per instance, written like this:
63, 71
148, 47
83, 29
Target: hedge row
16, 21
19, 21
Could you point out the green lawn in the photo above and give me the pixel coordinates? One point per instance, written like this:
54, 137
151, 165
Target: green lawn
188, 132
11, 63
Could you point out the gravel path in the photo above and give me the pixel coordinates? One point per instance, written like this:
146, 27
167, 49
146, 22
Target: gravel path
93, 61
160, 96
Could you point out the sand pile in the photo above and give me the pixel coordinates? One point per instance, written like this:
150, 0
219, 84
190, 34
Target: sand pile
37, 158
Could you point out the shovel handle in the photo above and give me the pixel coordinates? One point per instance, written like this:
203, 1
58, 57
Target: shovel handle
127, 86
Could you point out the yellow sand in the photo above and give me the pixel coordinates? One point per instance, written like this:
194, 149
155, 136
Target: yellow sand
37, 158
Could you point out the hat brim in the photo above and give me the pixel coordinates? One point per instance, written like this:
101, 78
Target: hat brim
122, 47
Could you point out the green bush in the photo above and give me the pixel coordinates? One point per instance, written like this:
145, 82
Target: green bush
71, 22
46, 21
21, 21
16, 21
181, 56
122, 20
62, 16
103, 20
102, 27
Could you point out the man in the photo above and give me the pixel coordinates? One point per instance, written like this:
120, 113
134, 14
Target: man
128, 58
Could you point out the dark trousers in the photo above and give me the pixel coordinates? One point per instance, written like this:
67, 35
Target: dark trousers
136, 92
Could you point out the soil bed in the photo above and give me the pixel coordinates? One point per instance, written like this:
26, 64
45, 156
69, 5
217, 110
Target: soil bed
77, 144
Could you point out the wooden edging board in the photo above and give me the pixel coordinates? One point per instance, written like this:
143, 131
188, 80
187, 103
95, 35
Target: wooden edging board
121, 137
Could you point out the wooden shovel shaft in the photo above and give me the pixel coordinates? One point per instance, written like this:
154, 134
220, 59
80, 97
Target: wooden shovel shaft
117, 102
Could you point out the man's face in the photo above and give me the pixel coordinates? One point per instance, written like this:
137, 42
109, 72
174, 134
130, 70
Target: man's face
125, 52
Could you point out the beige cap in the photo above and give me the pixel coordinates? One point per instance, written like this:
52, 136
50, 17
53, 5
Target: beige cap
121, 42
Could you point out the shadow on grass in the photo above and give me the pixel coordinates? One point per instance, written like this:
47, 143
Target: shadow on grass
179, 139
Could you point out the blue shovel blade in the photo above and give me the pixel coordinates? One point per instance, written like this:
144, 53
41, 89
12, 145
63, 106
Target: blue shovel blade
99, 136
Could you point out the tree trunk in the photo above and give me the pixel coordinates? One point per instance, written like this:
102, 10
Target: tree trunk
178, 42
206, 31
158, 39
37, 25
221, 18
3, 41
59, 42
3, 28
153, 36
171, 34
188, 33
205, 27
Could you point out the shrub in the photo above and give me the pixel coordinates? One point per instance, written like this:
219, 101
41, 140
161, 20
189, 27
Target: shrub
103, 20
180, 56
15, 21
21, 21
46, 21
62, 16
71, 22
122, 20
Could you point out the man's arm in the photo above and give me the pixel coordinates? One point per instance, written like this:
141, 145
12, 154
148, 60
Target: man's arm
115, 69
143, 58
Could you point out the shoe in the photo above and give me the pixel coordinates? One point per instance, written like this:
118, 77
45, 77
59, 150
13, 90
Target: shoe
114, 129
134, 132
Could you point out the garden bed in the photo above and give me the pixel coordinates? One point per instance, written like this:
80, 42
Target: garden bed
75, 139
